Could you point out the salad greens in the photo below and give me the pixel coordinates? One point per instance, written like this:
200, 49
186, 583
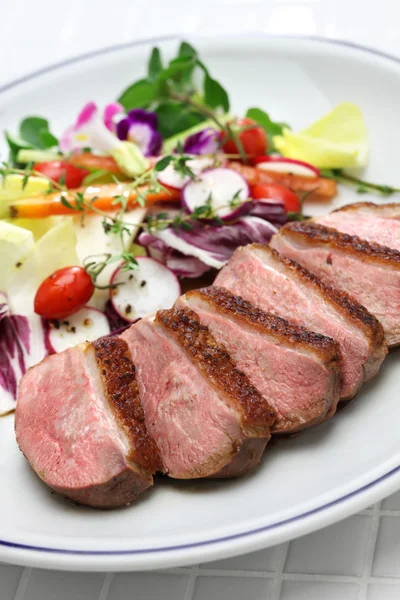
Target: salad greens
34, 134
173, 91
271, 128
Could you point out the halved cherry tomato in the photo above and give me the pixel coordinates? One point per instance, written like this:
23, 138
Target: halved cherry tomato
277, 192
59, 169
254, 140
63, 293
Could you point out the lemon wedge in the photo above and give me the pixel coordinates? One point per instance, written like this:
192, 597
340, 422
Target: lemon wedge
337, 140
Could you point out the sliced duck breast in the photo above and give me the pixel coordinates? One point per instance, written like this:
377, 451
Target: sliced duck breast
204, 414
366, 225
297, 371
367, 271
80, 424
281, 286
388, 210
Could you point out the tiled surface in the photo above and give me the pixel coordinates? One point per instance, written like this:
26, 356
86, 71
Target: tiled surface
344, 555
358, 559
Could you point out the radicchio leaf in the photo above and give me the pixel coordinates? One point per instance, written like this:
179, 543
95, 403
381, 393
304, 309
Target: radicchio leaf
21, 346
222, 240
180, 264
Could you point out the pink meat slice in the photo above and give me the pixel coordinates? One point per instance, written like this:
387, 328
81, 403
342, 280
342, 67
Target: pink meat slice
367, 226
368, 272
69, 432
387, 210
200, 429
282, 287
297, 371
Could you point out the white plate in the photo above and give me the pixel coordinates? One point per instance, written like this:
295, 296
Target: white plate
304, 483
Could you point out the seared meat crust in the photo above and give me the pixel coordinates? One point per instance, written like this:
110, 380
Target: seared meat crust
249, 314
215, 362
389, 210
118, 376
345, 303
317, 234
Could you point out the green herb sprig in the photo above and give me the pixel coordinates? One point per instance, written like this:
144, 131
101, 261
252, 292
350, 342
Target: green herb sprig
362, 186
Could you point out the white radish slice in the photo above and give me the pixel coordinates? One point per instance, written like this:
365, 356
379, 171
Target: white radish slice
86, 325
169, 176
220, 186
288, 165
145, 291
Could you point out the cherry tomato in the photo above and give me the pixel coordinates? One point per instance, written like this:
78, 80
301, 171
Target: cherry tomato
63, 293
277, 192
58, 169
254, 140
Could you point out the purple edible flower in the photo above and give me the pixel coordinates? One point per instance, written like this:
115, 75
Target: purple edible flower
140, 126
204, 142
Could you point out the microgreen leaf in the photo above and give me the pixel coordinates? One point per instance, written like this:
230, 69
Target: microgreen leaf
174, 117
48, 139
61, 181
15, 144
155, 64
35, 131
271, 128
138, 95
186, 50
66, 203
215, 95
362, 189
163, 163
27, 174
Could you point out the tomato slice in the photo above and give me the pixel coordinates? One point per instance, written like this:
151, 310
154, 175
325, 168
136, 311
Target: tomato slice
277, 192
63, 293
254, 140
58, 170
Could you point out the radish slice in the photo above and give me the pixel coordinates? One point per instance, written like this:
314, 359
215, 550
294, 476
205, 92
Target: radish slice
171, 178
221, 185
145, 291
86, 325
279, 164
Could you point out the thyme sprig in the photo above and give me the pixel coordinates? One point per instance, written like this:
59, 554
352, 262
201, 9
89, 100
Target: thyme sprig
362, 186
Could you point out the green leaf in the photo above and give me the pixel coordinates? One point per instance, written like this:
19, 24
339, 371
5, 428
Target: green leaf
215, 95
178, 67
138, 95
330, 173
186, 50
155, 64
271, 128
15, 144
48, 139
163, 163
35, 131
362, 189
174, 117
66, 203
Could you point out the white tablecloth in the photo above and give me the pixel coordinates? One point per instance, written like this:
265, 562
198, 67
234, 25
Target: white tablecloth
357, 559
